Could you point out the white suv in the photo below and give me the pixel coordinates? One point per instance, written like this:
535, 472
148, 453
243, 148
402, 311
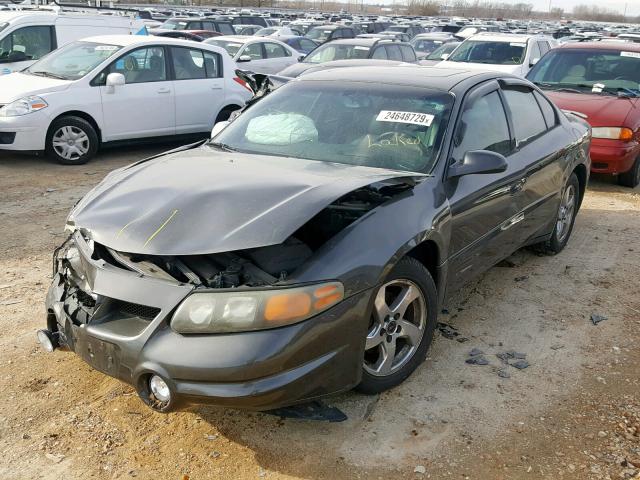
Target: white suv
113, 88
502, 52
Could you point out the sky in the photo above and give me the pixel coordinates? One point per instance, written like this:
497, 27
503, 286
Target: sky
633, 6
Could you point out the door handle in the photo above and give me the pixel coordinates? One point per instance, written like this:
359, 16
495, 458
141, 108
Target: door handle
164, 90
216, 87
518, 186
512, 221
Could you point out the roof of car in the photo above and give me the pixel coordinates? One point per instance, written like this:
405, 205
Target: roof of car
330, 27
503, 37
411, 75
628, 46
128, 40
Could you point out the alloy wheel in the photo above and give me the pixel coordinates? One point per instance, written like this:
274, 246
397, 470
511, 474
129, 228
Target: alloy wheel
396, 329
70, 142
565, 213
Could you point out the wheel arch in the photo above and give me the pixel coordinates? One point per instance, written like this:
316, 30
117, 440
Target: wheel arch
428, 254
80, 114
231, 106
582, 174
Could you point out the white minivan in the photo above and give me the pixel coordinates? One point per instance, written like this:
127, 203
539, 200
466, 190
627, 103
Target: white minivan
117, 88
28, 36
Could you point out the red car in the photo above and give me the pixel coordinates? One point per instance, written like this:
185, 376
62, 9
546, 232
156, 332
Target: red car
599, 81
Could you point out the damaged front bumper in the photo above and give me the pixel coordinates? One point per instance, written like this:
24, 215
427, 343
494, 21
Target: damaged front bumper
118, 321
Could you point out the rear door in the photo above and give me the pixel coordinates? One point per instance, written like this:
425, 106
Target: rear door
484, 211
539, 143
199, 86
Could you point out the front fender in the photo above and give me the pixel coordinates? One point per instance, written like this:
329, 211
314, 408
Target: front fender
362, 254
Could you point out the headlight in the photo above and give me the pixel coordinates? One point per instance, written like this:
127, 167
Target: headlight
236, 311
613, 133
23, 106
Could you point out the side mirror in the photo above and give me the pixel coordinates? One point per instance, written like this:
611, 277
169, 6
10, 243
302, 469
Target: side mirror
534, 61
444, 56
478, 161
301, 58
114, 80
17, 56
244, 58
218, 127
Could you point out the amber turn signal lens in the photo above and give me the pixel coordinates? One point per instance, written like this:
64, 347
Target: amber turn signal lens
287, 306
626, 134
327, 296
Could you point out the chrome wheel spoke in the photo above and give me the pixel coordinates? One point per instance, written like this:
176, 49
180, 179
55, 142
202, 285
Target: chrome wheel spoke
373, 338
411, 332
387, 356
406, 298
381, 310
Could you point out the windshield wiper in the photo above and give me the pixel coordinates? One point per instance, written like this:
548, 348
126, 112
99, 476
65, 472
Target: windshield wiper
223, 146
49, 74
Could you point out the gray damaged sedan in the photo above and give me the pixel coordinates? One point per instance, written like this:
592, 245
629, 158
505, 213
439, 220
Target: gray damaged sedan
305, 250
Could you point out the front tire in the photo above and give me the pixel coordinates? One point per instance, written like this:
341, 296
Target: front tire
401, 328
631, 178
71, 141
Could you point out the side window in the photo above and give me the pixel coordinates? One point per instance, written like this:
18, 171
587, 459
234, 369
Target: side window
27, 43
212, 65
544, 47
547, 110
380, 54
195, 26
535, 51
393, 51
208, 26
141, 66
474, 132
408, 54
225, 28
188, 64
307, 45
528, 121
336, 34
254, 51
274, 50
347, 33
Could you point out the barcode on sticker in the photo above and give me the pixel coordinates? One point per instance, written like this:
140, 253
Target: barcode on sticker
405, 117
630, 54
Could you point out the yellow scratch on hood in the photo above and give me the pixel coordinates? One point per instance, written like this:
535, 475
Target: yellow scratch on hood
161, 227
131, 223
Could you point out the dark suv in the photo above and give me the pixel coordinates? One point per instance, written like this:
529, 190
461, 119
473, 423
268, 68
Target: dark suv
222, 26
327, 33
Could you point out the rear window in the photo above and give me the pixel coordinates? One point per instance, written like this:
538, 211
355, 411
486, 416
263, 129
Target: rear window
489, 52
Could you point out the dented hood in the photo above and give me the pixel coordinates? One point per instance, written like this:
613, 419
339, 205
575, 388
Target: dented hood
206, 201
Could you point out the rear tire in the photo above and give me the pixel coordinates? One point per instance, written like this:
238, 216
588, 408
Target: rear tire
403, 333
565, 218
631, 178
71, 141
226, 112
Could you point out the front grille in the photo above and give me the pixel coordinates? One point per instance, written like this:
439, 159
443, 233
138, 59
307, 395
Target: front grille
136, 310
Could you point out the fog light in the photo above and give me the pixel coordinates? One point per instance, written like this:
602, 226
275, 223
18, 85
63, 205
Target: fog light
159, 388
46, 340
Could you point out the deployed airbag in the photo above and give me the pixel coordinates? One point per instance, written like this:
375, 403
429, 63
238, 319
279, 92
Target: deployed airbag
281, 129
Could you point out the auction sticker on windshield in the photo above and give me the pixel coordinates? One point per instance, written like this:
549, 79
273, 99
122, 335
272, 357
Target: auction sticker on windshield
405, 117
630, 54
106, 48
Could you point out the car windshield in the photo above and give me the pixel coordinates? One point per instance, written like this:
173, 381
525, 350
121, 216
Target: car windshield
490, 52
589, 71
332, 51
230, 46
442, 50
319, 34
426, 46
73, 61
383, 126
174, 25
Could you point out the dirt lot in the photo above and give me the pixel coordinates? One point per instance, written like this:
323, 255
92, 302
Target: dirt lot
573, 413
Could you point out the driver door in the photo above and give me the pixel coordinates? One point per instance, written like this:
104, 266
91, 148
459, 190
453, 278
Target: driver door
485, 218
145, 105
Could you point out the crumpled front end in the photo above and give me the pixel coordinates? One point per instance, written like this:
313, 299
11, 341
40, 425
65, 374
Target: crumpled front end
114, 310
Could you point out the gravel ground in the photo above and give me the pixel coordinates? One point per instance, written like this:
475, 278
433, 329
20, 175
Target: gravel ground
574, 412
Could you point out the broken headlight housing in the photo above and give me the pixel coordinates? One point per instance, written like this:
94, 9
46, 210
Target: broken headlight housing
238, 311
